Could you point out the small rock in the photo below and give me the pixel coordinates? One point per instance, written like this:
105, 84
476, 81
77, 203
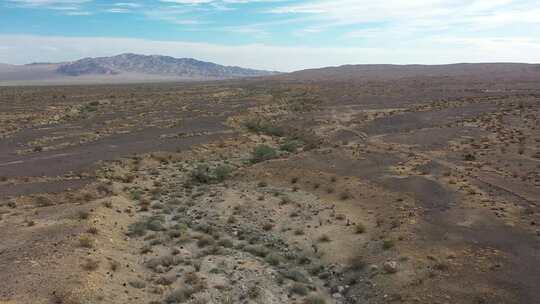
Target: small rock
336, 295
390, 266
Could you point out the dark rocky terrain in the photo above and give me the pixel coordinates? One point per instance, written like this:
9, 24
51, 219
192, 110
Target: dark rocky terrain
341, 185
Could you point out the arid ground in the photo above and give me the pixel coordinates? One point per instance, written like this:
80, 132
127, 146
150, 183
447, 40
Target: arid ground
288, 189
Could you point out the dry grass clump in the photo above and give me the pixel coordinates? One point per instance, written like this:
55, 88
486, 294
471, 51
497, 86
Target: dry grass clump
314, 299
273, 259
324, 238
359, 228
298, 289
180, 295
86, 241
166, 280
388, 244
204, 241
90, 264
257, 250
43, 201
268, 226
83, 215
138, 284
357, 263
64, 297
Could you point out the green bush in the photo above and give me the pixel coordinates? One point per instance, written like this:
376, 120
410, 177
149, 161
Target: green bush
315, 300
298, 289
153, 223
263, 153
222, 172
258, 126
203, 174
290, 146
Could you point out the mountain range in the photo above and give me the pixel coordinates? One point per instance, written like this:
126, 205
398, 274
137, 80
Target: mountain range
134, 68
123, 68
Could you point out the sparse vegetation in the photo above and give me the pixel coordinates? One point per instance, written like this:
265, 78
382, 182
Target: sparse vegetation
263, 153
259, 126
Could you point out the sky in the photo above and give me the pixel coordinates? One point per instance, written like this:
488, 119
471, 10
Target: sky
282, 35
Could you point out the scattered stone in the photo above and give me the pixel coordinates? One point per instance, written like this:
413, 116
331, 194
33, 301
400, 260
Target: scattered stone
390, 267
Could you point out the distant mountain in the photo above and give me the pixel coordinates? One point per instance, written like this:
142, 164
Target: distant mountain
124, 68
155, 65
463, 71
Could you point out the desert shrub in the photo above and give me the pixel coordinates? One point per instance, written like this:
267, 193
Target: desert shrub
290, 146
166, 280
192, 278
295, 275
285, 200
388, 244
359, 228
299, 289
201, 174
262, 153
324, 238
303, 260
137, 284
180, 295
261, 127
253, 292
222, 172
316, 269
273, 259
43, 201
83, 214
257, 250
165, 261
90, 265
345, 195
205, 241
227, 243
357, 263
153, 223
86, 242
136, 195
114, 265
469, 157
268, 226
314, 300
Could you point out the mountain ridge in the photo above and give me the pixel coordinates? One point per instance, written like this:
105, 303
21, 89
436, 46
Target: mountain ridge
156, 65
392, 71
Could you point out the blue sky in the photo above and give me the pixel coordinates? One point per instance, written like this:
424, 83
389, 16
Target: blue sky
274, 34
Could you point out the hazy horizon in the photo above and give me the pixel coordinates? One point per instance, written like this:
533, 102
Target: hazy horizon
282, 35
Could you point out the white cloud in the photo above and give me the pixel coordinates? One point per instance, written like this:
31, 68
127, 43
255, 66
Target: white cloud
69, 7
418, 16
48, 3
128, 4
118, 10
439, 50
